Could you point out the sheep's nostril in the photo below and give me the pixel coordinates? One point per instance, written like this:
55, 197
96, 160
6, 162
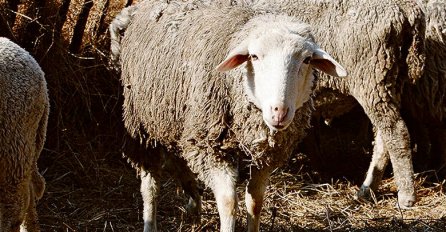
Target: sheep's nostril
279, 113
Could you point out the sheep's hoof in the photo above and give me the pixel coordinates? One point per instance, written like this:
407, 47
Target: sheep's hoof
406, 200
193, 209
366, 193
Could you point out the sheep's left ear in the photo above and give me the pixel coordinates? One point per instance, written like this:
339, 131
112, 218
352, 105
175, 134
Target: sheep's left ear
236, 57
324, 62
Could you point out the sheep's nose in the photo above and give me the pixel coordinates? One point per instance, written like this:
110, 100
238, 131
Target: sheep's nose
279, 113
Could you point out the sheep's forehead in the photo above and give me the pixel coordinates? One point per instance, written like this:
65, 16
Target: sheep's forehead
273, 42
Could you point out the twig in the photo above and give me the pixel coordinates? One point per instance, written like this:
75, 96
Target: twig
27, 17
273, 217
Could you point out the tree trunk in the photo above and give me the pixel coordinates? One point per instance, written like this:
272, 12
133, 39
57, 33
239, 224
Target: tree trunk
78, 33
102, 26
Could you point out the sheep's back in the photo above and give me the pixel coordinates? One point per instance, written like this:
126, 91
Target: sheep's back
171, 89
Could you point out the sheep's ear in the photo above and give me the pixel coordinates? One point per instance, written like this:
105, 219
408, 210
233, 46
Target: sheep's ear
324, 62
235, 58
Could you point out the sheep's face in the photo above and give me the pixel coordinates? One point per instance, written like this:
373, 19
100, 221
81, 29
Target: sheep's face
279, 76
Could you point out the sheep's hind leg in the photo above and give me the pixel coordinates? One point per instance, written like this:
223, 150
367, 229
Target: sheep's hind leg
395, 136
398, 143
178, 169
149, 191
36, 189
13, 204
255, 191
380, 159
31, 222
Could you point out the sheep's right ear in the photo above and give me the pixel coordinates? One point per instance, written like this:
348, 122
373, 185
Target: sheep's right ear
236, 57
325, 63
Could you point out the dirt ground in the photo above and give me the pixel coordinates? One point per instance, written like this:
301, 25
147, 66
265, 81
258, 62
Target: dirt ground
110, 201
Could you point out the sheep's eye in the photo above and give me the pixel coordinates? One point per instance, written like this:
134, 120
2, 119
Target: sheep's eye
254, 57
307, 60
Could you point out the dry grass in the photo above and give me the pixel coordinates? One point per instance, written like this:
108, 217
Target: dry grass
101, 193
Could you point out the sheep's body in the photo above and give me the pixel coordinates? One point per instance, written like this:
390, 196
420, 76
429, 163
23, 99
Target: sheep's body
381, 43
174, 101
210, 121
24, 108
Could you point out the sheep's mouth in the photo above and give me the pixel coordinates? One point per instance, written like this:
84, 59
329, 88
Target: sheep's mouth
279, 127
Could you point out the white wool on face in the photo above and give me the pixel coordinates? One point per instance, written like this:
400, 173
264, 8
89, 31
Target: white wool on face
278, 77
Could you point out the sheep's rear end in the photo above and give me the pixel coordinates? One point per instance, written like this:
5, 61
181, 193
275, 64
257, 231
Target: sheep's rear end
24, 108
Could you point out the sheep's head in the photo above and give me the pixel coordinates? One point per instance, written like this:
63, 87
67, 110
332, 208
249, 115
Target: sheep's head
279, 64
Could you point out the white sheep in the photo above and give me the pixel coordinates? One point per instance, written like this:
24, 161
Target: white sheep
24, 108
176, 102
381, 42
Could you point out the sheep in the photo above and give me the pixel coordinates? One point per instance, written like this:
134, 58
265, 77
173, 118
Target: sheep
119, 23
431, 88
381, 42
425, 100
24, 107
184, 99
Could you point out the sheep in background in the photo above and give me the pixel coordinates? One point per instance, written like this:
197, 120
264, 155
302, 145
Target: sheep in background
176, 102
24, 108
119, 23
425, 101
381, 43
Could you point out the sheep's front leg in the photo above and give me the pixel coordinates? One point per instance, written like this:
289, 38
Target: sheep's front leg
221, 177
380, 159
149, 191
223, 185
255, 191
